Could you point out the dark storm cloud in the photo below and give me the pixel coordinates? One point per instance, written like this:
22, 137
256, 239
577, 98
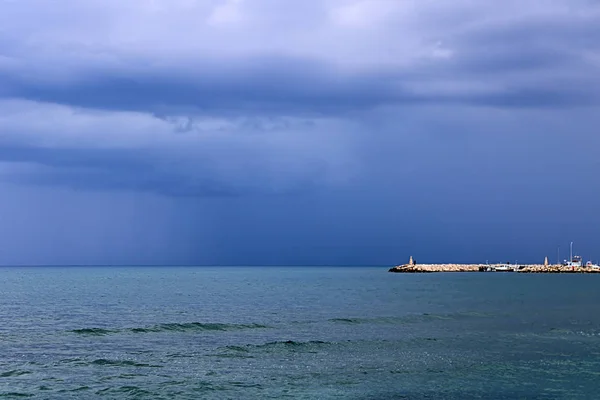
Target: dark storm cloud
192, 156
277, 90
134, 170
273, 87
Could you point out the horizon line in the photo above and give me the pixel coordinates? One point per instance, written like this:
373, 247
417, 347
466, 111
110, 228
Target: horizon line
191, 265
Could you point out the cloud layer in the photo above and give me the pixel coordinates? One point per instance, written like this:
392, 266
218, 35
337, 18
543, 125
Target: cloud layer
113, 94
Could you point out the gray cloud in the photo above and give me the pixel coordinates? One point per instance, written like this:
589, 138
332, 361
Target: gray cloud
242, 57
277, 86
177, 156
102, 170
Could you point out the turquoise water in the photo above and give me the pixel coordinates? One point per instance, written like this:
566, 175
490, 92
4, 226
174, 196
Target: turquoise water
300, 333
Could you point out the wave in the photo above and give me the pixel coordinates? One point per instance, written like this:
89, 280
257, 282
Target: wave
122, 363
93, 331
560, 332
197, 326
410, 318
290, 344
14, 372
169, 327
245, 351
348, 320
77, 389
130, 390
293, 343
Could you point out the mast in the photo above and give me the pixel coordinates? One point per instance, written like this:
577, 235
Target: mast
571, 252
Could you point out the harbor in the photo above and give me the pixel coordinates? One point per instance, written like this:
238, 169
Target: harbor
521, 268
573, 265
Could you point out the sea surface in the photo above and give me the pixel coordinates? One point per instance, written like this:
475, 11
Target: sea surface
298, 333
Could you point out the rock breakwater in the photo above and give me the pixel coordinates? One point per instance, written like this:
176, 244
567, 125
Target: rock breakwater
524, 268
421, 268
558, 269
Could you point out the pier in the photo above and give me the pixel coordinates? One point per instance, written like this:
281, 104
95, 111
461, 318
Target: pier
567, 268
526, 268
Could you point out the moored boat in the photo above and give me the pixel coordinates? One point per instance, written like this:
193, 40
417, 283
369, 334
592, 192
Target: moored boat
504, 268
575, 262
590, 264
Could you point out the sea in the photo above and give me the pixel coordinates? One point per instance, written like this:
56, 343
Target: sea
296, 332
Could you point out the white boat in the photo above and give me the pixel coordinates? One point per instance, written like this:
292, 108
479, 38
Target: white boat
504, 268
590, 264
575, 262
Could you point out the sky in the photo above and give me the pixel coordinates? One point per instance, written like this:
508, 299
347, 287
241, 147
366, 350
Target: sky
313, 132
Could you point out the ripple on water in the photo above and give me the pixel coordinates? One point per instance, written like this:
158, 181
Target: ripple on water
170, 327
122, 363
14, 372
411, 318
94, 331
130, 390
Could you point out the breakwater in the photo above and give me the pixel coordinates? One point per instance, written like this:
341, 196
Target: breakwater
523, 268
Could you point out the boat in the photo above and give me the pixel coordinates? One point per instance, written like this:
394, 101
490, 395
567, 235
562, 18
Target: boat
590, 264
575, 262
504, 268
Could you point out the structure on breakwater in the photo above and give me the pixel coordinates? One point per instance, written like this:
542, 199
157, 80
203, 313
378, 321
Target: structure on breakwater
570, 267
